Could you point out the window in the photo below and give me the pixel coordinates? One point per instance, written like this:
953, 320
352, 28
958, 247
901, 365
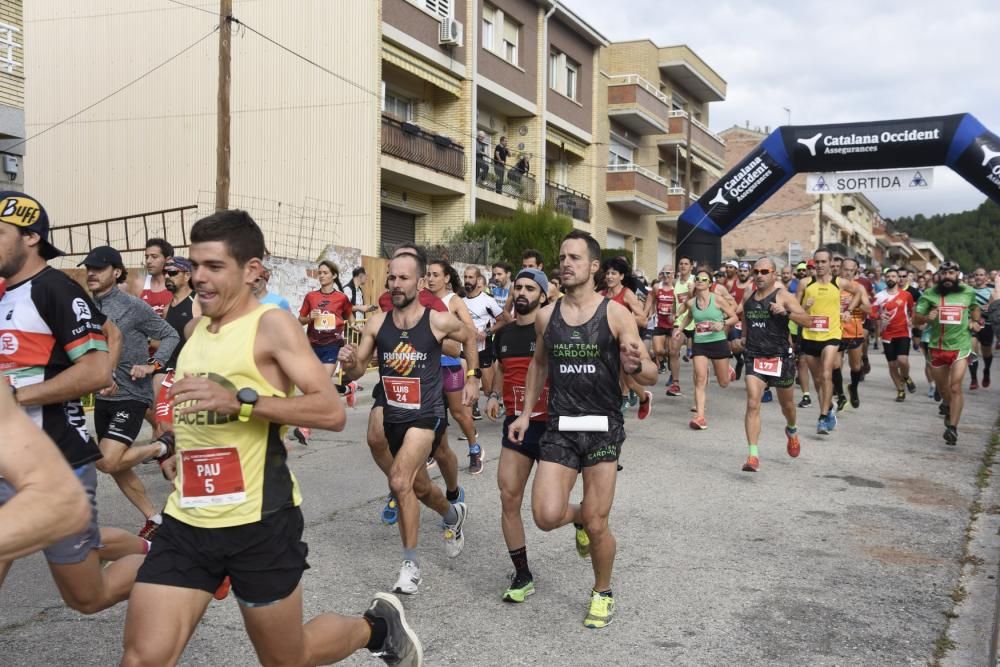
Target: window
500, 34
396, 105
440, 8
554, 60
571, 73
678, 103
619, 153
564, 74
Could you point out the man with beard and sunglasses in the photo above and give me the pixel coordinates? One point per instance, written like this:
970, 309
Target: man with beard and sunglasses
949, 309
513, 348
895, 308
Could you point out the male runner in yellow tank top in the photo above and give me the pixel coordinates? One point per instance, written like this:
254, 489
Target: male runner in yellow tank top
820, 296
234, 511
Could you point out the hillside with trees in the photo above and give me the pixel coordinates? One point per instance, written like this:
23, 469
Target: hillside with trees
971, 238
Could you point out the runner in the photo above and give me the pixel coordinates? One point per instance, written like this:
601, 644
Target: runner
710, 315
683, 289
444, 283
983, 344
582, 343
615, 270
742, 286
869, 319
153, 289
53, 351
530, 259
801, 368
326, 312
235, 510
407, 341
820, 345
766, 314
895, 308
118, 417
664, 303
486, 312
853, 334
514, 348
950, 310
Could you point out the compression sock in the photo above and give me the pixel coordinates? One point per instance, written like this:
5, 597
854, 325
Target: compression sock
974, 370
838, 382
520, 559
855, 378
451, 518
987, 362
753, 450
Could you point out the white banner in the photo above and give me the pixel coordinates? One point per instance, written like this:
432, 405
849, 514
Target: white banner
868, 181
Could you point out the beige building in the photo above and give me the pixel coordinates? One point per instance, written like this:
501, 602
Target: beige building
11, 95
792, 223
395, 142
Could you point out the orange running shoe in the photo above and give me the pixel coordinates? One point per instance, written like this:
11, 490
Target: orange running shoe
752, 464
222, 592
793, 442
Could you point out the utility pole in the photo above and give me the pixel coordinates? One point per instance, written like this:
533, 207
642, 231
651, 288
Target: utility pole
222, 127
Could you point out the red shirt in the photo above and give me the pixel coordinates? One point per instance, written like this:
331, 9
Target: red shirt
665, 304
425, 297
514, 347
335, 308
898, 307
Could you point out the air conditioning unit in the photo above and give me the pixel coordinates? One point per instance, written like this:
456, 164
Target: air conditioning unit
450, 33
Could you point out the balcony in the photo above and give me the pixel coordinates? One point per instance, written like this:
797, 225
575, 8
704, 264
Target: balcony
676, 201
412, 144
636, 189
567, 201
638, 105
512, 183
704, 143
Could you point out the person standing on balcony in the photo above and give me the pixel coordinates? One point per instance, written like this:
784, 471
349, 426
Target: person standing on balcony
482, 156
500, 155
520, 169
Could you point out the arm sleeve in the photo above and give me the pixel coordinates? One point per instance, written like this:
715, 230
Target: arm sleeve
73, 318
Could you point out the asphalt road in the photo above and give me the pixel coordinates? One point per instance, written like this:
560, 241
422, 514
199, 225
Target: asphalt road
847, 555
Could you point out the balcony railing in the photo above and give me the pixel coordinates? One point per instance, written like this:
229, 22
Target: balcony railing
505, 180
620, 168
635, 79
568, 201
411, 143
701, 136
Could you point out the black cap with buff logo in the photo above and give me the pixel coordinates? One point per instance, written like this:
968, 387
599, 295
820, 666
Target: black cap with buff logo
26, 212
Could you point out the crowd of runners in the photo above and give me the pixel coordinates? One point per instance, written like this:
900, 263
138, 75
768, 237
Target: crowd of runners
228, 380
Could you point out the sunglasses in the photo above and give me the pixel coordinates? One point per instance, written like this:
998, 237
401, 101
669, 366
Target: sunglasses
762, 272
171, 273
703, 279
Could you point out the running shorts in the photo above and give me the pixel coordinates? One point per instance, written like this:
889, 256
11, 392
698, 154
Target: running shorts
659, 331
452, 378
785, 377
985, 335
941, 358
717, 350
814, 348
396, 433
120, 421
529, 446
327, 353
581, 449
895, 348
851, 344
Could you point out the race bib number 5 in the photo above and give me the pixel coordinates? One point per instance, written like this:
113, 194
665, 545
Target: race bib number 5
211, 477
950, 315
767, 366
402, 392
819, 323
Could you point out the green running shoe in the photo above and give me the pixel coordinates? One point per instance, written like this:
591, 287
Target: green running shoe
518, 590
601, 612
582, 542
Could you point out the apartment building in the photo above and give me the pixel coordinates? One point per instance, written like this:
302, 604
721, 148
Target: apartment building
11, 94
792, 223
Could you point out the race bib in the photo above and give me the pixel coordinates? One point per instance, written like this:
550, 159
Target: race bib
703, 327
402, 392
664, 309
326, 322
519, 392
211, 477
950, 315
767, 366
819, 323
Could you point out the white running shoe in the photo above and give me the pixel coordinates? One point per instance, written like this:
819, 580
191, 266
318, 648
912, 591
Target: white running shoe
454, 538
409, 579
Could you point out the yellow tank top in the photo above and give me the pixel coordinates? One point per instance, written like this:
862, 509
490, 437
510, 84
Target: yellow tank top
229, 473
825, 311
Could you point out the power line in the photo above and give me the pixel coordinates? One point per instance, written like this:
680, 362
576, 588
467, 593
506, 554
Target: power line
200, 9
115, 92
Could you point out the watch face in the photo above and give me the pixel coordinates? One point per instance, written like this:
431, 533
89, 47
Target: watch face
246, 395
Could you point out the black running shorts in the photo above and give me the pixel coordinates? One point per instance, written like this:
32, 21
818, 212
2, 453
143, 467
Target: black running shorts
814, 348
895, 348
784, 380
717, 350
529, 446
985, 336
851, 344
263, 560
581, 449
396, 433
120, 421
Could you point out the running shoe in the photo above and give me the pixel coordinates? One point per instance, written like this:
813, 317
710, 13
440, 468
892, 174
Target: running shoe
841, 403
409, 579
645, 406
986, 380
973, 385
464, 437
831, 419
454, 538
911, 386
633, 399
937, 395
674, 390
518, 589
390, 513
793, 447
475, 460
582, 542
752, 464
900, 395
823, 425
476, 414
222, 592
148, 530
698, 424
670, 380
351, 395
930, 391
855, 399
767, 396
662, 368
601, 611
167, 439
950, 434
624, 405
805, 402
944, 410
402, 646
302, 434
460, 499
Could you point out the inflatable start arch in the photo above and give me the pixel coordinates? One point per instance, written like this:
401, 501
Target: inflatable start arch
960, 142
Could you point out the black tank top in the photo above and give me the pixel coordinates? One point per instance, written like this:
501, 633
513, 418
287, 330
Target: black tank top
584, 364
409, 361
178, 316
767, 333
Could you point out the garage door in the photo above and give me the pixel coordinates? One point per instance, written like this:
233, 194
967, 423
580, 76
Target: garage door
398, 227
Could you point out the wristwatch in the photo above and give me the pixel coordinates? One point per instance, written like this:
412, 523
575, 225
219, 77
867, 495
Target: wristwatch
474, 373
247, 398
157, 366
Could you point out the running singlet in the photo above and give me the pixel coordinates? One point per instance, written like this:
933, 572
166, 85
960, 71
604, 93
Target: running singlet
158, 301
739, 293
682, 291
584, 365
951, 330
665, 301
426, 299
854, 326
703, 318
514, 346
825, 311
328, 328
47, 323
178, 315
229, 473
767, 333
409, 362
897, 307
618, 298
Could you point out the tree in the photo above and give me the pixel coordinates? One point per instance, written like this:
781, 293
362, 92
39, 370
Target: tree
970, 238
542, 229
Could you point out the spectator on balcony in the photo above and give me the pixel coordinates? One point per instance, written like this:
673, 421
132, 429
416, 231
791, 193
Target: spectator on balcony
520, 169
482, 156
500, 155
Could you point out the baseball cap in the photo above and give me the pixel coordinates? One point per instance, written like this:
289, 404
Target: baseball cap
537, 276
744, 266
733, 263
949, 266
801, 266
26, 212
103, 256
810, 263
179, 263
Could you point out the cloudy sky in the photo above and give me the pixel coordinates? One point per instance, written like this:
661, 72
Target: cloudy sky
834, 61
